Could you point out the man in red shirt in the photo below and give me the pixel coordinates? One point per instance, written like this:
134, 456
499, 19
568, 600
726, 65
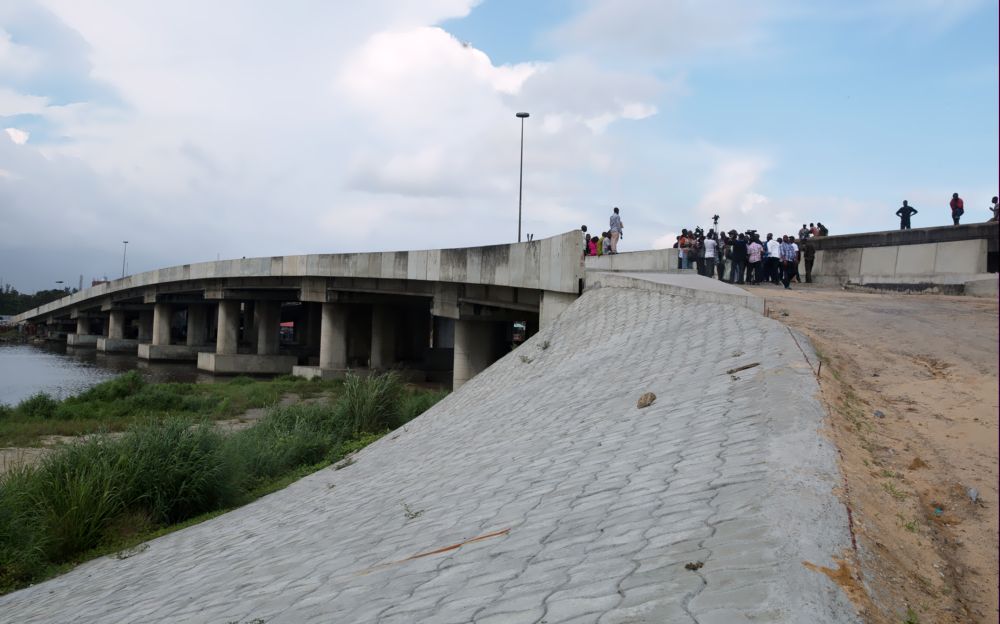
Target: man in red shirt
957, 207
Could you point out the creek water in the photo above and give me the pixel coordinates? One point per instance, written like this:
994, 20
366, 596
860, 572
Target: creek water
62, 371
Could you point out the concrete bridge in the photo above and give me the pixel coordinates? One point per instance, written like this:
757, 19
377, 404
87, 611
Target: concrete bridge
427, 312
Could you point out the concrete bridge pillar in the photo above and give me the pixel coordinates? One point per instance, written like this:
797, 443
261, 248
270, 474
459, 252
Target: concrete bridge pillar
268, 326
333, 337
197, 327
82, 325
229, 327
116, 324
383, 354
473, 350
161, 323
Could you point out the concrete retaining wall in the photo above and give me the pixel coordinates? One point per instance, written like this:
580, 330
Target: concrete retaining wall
953, 262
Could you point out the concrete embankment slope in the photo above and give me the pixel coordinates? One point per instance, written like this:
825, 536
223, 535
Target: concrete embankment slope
587, 508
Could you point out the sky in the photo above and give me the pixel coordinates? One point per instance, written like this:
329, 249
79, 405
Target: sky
206, 130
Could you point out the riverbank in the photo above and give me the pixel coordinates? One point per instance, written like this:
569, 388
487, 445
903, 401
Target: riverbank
171, 465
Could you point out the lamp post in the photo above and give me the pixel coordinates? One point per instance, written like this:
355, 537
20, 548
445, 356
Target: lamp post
124, 251
520, 178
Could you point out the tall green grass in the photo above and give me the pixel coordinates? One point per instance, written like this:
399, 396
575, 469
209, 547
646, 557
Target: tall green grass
162, 471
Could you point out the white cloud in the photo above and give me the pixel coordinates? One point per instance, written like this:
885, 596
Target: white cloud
658, 30
17, 135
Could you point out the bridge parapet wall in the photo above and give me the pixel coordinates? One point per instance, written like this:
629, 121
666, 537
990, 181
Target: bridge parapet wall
551, 264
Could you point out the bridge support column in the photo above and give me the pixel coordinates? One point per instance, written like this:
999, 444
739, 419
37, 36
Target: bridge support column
160, 348
268, 327
161, 323
332, 345
116, 324
229, 327
82, 337
383, 354
115, 341
227, 361
473, 350
197, 328
333, 337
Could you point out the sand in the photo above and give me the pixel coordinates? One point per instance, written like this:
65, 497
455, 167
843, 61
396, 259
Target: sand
911, 384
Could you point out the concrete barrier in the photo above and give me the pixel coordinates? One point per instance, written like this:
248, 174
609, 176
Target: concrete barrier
659, 260
551, 264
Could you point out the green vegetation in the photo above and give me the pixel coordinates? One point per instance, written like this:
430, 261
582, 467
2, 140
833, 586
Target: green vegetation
126, 400
106, 494
13, 302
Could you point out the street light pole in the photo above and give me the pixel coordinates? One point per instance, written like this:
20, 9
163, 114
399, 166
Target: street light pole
124, 251
520, 178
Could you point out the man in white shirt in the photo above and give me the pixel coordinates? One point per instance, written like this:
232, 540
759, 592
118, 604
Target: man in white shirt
710, 247
772, 261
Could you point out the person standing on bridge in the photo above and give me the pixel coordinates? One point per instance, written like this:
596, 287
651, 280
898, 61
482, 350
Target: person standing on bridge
809, 255
789, 256
957, 207
616, 230
995, 209
904, 214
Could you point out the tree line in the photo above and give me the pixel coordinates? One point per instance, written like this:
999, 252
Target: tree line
14, 302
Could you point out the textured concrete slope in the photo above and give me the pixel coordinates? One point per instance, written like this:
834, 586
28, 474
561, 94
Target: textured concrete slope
600, 504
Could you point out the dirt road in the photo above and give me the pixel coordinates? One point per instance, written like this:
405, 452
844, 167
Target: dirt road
911, 382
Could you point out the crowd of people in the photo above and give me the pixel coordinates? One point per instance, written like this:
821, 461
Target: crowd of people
607, 242
743, 258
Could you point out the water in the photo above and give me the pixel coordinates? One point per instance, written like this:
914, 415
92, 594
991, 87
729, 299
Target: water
63, 371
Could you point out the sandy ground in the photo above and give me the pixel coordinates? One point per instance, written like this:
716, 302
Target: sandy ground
911, 384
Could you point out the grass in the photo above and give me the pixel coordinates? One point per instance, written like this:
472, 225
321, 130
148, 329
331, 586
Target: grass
893, 491
107, 494
117, 404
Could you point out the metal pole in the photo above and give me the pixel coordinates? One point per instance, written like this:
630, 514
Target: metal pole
124, 251
520, 183
520, 179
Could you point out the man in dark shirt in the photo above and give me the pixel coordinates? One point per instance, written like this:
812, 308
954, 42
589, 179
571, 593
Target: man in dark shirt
809, 254
904, 214
739, 259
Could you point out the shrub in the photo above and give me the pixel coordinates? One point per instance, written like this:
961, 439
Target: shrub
118, 388
370, 404
6, 411
176, 470
38, 406
286, 438
75, 493
414, 404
